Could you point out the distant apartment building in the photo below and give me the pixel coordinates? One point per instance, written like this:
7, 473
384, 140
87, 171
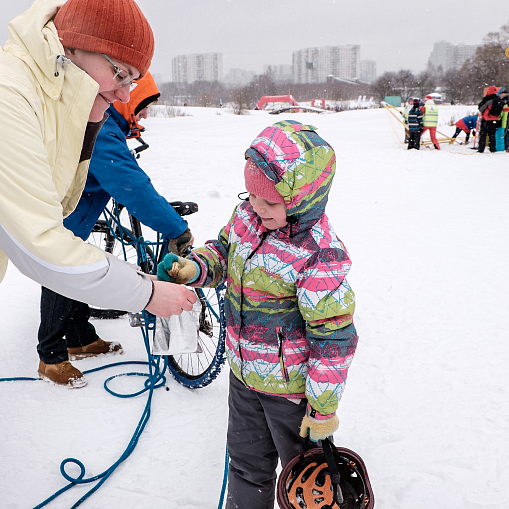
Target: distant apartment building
450, 56
197, 67
282, 73
368, 71
313, 65
238, 77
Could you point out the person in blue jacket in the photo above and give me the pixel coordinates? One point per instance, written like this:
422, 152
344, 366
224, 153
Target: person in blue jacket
65, 331
466, 124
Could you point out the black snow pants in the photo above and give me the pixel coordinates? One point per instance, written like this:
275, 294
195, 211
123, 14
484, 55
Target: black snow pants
415, 140
261, 429
488, 128
61, 317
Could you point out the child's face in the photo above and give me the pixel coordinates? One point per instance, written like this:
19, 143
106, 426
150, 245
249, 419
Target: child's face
273, 215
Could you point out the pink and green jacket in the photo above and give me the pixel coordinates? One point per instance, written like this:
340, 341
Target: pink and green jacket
288, 304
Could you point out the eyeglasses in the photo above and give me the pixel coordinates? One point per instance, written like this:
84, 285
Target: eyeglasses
121, 77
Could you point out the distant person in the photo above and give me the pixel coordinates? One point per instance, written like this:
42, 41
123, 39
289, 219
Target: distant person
65, 331
490, 108
63, 65
430, 119
467, 125
504, 117
415, 126
289, 309
409, 105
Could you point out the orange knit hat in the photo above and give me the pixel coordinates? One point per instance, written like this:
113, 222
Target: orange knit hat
116, 28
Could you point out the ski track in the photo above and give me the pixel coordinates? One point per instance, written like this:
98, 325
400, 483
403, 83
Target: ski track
426, 400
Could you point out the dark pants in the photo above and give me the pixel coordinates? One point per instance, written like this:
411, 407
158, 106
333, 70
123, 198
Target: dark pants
407, 134
467, 134
61, 317
415, 140
261, 430
488, 128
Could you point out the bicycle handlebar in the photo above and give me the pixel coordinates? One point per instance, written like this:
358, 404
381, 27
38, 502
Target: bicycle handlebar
184, 208
143, 146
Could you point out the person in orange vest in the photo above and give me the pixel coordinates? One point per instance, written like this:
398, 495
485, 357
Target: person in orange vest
430, 119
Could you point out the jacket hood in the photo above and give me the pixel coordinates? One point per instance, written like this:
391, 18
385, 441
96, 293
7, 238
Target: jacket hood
491, 90
302, 166
33, 39
430, 101
145, 93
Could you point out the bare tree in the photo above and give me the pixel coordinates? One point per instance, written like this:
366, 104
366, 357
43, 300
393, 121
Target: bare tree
262, 85
490, 64
384, 86
241, 99
453, 85
424, 83
405, 83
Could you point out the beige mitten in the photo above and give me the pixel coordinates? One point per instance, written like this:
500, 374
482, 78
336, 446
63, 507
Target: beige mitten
318, 428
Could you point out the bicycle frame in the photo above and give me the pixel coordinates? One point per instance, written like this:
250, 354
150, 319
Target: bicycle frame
192, 370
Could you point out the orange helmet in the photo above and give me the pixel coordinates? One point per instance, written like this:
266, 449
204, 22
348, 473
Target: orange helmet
325, 478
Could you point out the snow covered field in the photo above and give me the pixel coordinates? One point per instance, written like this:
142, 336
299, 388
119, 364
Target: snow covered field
426, 403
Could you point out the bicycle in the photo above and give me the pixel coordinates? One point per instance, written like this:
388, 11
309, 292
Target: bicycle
193, 370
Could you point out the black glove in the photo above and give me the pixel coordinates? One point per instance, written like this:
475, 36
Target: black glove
180, 245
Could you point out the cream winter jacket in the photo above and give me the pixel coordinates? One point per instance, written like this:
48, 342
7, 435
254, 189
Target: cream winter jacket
45, 102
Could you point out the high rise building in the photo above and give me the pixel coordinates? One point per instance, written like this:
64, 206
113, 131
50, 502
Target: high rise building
368, 71
313, 65
450, 56
197, 67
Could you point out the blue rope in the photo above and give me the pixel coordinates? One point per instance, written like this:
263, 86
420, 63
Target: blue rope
225, 479
155, 379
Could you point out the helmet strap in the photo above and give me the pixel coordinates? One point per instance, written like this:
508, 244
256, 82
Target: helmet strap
337, 494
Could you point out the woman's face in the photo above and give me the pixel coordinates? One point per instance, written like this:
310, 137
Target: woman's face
99, 69
273, 215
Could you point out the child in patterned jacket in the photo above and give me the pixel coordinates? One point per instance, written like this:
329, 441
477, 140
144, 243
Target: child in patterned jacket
289, 309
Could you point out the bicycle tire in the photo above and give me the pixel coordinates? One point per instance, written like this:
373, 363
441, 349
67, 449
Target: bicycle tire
102, 238
197, 370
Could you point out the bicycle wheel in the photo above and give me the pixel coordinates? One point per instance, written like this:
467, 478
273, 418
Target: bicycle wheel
199, 369
103, 238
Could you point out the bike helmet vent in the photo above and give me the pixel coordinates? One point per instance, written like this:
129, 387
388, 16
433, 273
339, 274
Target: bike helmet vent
306, 482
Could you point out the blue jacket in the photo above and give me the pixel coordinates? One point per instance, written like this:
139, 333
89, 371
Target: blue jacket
470, 122
114, 172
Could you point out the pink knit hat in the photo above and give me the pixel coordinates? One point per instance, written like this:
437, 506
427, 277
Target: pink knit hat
260, 185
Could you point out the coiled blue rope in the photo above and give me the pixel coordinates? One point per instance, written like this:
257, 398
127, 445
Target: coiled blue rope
155, 379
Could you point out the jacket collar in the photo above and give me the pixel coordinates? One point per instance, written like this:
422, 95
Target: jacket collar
33, 38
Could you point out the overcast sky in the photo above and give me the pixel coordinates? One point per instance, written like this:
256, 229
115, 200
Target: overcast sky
396, 34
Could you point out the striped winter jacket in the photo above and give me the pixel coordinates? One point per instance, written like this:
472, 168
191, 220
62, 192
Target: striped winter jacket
415, 119
288, 305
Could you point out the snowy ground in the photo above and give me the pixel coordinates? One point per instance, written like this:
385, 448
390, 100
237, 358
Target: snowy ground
426, 399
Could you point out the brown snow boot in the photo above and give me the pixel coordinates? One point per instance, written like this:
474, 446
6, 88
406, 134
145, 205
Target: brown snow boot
63, 373
98, 347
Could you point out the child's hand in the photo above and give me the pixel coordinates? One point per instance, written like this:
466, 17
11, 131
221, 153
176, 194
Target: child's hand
318, 426
178, 270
